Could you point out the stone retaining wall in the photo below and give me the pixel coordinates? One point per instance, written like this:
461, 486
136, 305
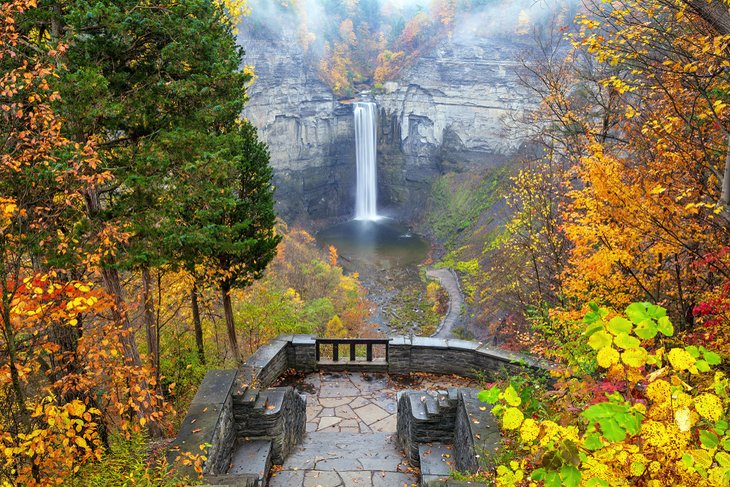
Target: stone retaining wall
476, 433
233, 405
455, 417
265, 366
406, 355
278, 414
451, 356
209, 421
419, 422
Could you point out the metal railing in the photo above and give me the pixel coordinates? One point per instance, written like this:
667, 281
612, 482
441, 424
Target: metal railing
353, 342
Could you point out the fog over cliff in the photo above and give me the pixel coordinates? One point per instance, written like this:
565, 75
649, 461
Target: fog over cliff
444, 109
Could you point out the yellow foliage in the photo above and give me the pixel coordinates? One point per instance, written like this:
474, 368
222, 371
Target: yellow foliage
235, 10
335, 329
673, 431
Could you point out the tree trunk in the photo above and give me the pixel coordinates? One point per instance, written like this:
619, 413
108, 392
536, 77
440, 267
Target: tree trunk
197, 324
717, 16
150, 321
724, 202
714, 12
230, 324
113, 286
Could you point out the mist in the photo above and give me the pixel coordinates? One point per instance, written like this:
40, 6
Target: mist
357, 44
482, 18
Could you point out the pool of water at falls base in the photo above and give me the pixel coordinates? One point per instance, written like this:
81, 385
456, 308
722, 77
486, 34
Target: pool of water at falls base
385, 253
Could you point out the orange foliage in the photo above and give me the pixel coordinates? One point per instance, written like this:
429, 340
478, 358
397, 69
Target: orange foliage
411, 35
64, 377
444, 11
646, 214
389, 64
635, 121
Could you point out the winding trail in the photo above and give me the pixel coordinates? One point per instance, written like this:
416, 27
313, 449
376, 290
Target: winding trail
448, 279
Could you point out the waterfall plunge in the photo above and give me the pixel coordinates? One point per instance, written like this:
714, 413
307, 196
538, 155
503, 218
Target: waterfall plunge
365, 147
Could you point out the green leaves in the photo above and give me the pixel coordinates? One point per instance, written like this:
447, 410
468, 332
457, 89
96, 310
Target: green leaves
665, 326
567, 476
619, 326
637, 312
711, 357
648, 319
708, 358
646, 330
490, 396
593, 441
635, 357
625, 341
709, 439
615, 418
596, 482
723, 459
570, 476
552, 479
511, 397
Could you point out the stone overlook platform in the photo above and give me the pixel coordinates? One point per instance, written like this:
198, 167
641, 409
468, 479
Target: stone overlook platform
349, 416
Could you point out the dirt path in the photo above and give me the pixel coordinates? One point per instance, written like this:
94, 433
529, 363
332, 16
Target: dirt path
448, 279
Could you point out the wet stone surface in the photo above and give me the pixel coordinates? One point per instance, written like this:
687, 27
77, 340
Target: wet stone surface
351, 433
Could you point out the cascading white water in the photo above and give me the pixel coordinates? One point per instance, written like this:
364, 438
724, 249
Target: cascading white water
365, 147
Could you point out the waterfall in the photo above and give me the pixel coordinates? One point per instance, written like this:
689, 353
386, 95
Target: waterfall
365, 148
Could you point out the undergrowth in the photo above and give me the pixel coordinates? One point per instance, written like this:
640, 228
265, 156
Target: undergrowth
127, 462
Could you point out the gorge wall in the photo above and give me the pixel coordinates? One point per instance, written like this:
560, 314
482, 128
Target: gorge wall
445, 110
451, 108
310, 135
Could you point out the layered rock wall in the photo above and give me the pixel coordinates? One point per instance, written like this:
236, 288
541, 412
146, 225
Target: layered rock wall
446, 110
453, 107
309, 133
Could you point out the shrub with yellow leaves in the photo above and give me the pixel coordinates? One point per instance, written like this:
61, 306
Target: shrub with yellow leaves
664, 421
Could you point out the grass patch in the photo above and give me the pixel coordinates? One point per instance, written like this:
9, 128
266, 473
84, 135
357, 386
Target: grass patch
127, 462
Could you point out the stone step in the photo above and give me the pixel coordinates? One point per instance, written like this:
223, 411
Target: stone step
437, 461
250, 396
270, 401
418, 406
252, 459
443, 399
231, 481
432, 406
453, 393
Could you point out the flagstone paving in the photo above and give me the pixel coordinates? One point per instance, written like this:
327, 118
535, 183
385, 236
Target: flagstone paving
350, 440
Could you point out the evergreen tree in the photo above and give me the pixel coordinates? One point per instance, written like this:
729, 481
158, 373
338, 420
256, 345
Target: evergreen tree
161, 90
240, 228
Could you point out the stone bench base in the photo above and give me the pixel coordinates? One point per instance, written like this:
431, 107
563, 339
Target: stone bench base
437, 462
353, 366
252, 458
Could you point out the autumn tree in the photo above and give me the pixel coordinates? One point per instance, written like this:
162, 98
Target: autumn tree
664, 188
633, 119
64, 378
335, 329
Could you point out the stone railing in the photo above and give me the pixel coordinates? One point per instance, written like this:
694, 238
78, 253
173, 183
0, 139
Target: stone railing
233, 407
428, 420
415, 354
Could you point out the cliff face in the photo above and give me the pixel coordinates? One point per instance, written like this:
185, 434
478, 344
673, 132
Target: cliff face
450, 108
310, 135
447, 109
